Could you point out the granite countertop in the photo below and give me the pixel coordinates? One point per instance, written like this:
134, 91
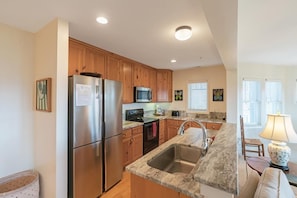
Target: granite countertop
218, 168
188, 118
130, 124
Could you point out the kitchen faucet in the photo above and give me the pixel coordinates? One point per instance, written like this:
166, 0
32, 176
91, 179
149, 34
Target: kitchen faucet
181, 131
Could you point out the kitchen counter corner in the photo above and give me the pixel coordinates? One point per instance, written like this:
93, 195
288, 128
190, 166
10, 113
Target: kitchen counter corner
218, 168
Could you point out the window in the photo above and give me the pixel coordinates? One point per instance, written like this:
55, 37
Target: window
273, 94
197, 98
251, 96
253, 93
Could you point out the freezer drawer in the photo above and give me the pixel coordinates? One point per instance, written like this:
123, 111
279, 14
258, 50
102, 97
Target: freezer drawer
113, 161
87, 171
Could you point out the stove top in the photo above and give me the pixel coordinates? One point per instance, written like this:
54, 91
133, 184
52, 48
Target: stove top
136, 115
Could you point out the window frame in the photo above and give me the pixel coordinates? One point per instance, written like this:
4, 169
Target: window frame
189, 107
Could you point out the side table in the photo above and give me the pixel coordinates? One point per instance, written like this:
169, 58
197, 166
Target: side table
260, 163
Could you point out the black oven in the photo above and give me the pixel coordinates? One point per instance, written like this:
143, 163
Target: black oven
150, 128
150, 136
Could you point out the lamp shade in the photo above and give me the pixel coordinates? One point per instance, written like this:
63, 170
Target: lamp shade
279, 128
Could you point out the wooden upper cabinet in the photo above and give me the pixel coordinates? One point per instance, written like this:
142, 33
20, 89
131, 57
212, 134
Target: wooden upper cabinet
75, 58
113, 68
94, 62
127, 68
153, 83
164, 85
85, 58
141, 75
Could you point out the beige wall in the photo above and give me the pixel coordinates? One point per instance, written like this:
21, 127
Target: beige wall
216, 78
16, 99
31, 139
50, 128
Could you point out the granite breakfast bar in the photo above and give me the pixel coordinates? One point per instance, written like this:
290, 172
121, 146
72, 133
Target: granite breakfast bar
215, 174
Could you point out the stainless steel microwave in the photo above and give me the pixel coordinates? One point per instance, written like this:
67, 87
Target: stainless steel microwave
142, 94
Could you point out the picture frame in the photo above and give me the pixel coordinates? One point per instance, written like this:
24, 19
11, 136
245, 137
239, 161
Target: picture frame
218, 95
43, 94
178, 95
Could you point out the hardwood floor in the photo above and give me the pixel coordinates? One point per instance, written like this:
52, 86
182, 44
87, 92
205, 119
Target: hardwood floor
120, 190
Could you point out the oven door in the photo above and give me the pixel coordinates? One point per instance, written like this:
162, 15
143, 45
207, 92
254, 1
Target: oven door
150, 136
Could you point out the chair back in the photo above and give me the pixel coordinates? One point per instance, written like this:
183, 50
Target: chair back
242, 130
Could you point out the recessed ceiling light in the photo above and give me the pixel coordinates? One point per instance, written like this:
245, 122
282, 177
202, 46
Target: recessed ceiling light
173, 61
183, 33
102, 20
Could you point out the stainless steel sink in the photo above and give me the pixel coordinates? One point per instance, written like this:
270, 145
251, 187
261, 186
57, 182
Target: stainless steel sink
177, 158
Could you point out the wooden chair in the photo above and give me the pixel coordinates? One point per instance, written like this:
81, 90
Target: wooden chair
250, 145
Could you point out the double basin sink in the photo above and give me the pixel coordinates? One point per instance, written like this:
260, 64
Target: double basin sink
176, 158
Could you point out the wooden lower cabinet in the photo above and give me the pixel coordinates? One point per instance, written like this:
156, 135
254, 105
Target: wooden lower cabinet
143, 188
173, 126
137, 142
162, 131
132, 144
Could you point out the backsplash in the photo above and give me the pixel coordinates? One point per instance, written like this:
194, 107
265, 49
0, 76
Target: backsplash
149, 109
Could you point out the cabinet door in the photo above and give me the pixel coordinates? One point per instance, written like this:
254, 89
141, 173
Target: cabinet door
127, 82
137, 146
164, 86
172, 127
75, 58
141, 75
153, 83
94, 61
113, 69
127, 147
137, 142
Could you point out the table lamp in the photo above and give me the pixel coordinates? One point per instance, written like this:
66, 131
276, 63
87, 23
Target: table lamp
279, 130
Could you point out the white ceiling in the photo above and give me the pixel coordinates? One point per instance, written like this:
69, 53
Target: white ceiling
144, 30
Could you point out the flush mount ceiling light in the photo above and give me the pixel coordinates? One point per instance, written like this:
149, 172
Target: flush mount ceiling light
102, 20
183, 33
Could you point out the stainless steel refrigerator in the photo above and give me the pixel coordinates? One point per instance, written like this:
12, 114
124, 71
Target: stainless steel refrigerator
91, 168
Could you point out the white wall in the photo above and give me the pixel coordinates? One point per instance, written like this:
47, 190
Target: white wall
51, 127
288, 76
231, 96
16, 99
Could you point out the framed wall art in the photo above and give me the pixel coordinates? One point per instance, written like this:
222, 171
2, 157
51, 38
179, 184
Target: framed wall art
218, 95
43, 94
178, 95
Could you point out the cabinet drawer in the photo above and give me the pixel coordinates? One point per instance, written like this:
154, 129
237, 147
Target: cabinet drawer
171, 122
194, 124
137, 130
214, 126
127, 133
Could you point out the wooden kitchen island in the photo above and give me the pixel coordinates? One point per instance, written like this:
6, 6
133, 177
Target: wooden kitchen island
215, 174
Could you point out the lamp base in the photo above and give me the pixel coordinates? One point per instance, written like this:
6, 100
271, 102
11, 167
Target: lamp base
284, 168
279, 154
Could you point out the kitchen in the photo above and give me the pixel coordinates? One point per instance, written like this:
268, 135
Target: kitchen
144, 76
33, 141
